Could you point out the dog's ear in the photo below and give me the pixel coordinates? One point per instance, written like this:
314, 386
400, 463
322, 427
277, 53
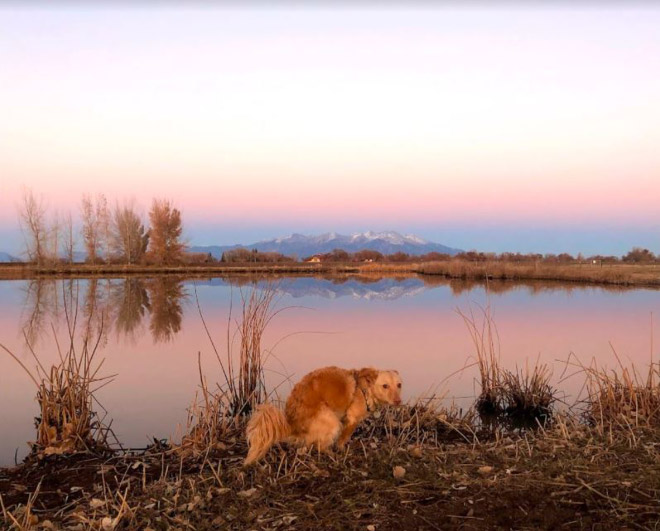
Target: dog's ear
368, 375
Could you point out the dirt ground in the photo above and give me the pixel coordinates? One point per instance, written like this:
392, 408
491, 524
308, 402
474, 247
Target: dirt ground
439, 479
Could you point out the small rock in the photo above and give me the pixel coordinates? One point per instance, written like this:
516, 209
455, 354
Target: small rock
247, 493
416, 451
398, 472
371, 527
485, 470
107, 523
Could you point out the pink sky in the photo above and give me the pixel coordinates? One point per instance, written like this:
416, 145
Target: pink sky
468, 125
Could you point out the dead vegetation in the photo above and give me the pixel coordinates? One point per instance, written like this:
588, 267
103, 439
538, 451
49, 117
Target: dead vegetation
68, 420
610, 274
241, 387
409, 468
621, 398
521, 398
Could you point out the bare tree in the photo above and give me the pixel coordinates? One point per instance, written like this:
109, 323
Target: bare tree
128, 238
165, 245
68, 238
53, 239
95, 227
32, 216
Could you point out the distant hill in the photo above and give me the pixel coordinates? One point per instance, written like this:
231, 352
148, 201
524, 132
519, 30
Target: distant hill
6, 257
384, 242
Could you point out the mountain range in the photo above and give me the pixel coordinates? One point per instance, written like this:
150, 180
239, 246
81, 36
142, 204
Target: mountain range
382, 289
303, 246
6, 257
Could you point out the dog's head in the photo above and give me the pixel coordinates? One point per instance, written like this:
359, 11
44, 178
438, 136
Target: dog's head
384, 386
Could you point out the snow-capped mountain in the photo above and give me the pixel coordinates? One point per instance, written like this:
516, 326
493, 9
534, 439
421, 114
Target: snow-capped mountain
302, 245
383, 289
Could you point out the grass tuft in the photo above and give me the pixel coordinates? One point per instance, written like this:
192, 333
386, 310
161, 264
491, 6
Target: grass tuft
527, 395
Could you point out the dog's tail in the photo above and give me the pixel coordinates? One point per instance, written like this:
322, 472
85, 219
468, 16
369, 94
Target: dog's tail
267, 426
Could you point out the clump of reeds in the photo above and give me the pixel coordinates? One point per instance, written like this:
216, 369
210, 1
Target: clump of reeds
524, 397
243, 383
249, 389
487, 352
527, 395
622, 398
67, 421
242, 386
208, 419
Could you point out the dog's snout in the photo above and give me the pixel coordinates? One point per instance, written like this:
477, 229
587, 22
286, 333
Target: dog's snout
397, 401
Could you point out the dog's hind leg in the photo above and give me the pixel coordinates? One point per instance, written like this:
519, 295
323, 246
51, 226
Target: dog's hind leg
323, 429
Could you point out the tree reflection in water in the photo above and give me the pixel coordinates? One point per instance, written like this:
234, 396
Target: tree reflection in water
130, 303
104, 304
165, 294
39, 308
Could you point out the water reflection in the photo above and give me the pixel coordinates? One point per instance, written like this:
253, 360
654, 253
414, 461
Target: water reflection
376, 287
104, 305
40, 304
131, 304
165, 295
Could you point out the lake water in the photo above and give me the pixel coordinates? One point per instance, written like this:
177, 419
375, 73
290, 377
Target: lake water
153, 333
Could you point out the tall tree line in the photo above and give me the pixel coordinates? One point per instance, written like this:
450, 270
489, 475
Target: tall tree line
116, 235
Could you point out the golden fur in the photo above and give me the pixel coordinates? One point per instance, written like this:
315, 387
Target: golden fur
324, 407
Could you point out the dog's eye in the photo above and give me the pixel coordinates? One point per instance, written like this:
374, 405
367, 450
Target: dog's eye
385, 386
398, 385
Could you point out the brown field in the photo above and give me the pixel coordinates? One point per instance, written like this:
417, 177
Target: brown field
647, 275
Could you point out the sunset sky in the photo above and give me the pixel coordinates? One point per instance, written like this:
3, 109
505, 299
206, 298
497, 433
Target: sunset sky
507, 129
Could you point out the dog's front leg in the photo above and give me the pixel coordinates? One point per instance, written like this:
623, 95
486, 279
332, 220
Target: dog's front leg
346, 434
355, 413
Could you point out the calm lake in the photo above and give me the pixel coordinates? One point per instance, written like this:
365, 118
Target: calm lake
153, 332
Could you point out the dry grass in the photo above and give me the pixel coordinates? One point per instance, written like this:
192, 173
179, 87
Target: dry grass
527, 394
485, 339
243, 375
208, 420
68, 421
242, 387
402, 470
612, 274
523, 397
623, 398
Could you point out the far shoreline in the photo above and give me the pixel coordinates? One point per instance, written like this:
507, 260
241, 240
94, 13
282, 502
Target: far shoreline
624, 275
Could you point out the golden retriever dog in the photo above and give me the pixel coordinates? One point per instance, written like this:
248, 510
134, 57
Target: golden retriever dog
324, 407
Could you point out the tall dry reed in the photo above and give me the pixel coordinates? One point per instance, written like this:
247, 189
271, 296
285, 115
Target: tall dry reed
242, 386
485, 339
68, 421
